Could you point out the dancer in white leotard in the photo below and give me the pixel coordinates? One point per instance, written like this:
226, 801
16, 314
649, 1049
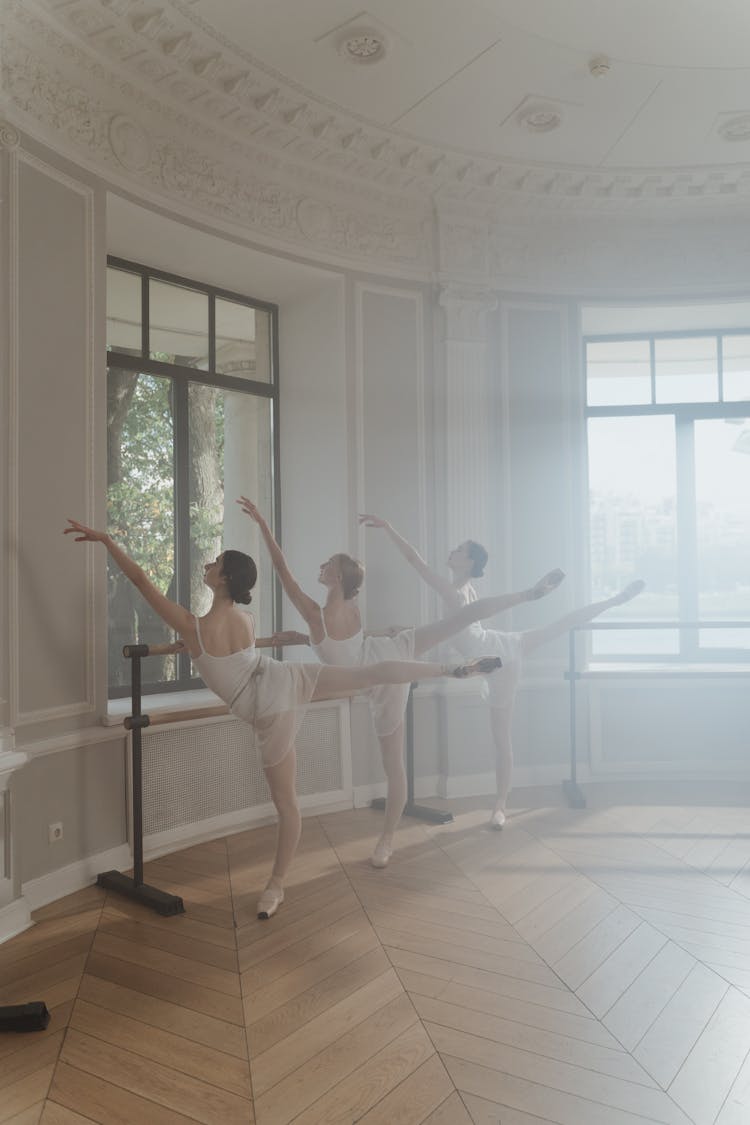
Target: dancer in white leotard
269, 695
337, 638
467, 561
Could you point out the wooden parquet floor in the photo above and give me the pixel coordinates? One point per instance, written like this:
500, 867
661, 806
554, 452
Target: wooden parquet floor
586, 967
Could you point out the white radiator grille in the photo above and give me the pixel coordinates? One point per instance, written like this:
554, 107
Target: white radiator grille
194, 772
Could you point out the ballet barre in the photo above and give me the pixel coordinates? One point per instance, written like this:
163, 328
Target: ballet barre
571, 788
135, 888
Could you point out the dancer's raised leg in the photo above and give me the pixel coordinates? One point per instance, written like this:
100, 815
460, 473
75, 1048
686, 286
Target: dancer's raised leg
533, 638
281, 781
338, 682
427, 636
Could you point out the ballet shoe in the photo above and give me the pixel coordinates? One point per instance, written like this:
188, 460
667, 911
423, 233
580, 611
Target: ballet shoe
381, 854
632, 590
482, 666
547, 584
497, 820
270, 901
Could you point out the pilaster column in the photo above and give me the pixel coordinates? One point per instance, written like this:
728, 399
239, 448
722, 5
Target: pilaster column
469, 413
14, 912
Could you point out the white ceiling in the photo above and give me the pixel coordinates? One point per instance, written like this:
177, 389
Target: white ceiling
458, 73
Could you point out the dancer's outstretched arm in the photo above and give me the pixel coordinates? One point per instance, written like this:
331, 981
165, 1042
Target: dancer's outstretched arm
174, 615
306, 606
444, 586
447, 590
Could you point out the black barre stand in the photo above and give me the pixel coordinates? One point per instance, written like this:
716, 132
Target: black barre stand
134, 888
423, 812
574, 795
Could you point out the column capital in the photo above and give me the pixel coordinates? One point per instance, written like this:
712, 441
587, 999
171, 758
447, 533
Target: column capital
466, 309
9, 135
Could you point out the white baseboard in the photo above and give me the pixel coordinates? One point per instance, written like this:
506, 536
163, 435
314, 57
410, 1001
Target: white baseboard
524, 777
175, 839
48, 888
428, 786
14, 919
66, 880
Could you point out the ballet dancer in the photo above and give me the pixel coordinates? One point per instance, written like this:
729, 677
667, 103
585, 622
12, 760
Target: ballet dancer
269, 695
466, 562
336, 637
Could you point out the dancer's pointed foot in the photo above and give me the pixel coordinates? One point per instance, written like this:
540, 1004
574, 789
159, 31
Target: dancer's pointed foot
482, 666
632, 590
382, 852
270, 901
497, 820
547, 584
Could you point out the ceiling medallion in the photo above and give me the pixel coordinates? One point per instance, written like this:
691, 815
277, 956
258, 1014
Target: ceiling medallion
362, 45
540, 119
735, 128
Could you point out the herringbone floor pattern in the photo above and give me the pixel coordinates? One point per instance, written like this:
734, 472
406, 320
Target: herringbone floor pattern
585, 967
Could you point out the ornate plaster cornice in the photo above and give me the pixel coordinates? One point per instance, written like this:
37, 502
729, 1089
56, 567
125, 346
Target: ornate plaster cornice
156, 147
180, 58
153, 101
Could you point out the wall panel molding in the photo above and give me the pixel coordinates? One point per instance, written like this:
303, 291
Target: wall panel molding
18, 504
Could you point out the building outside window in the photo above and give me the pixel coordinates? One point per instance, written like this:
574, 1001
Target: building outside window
192, 424
668, 418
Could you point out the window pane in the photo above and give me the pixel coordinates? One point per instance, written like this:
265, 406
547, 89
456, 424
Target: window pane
124, 311
140, 514
618, 373
633, 527
722, 487
231, 450
687, 369
178, 325
243, 341
736, 359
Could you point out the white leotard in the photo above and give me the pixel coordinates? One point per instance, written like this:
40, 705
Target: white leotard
388, 701
345, 653
267, 694
498, 689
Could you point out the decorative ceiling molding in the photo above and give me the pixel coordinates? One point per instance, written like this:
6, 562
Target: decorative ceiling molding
533, 229
184, 162
182, 60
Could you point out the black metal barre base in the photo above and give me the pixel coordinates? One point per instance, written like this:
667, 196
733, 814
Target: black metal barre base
422, 812
573, 794
154, 899
25, 1017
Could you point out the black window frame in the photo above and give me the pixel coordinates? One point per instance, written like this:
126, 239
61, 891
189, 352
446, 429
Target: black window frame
181, 376
685, 414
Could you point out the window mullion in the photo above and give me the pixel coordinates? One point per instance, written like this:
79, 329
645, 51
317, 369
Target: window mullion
687, 535
180, 406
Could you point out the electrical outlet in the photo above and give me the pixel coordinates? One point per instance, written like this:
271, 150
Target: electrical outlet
55, 832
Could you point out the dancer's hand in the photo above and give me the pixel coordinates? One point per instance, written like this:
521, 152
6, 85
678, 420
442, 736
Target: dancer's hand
290, 637
373, 521
250, 509
84, 534
547, 584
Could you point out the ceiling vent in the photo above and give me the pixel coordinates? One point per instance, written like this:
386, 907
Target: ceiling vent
735, 127
362, 45
599, 66
540, 118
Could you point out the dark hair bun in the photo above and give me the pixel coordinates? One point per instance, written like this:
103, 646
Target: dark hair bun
241, 574
478, 555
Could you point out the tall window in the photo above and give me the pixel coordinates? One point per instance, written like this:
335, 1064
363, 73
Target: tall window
192, 406
669, 487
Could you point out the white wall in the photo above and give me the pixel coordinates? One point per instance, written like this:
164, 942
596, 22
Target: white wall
316, 473
360, 389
